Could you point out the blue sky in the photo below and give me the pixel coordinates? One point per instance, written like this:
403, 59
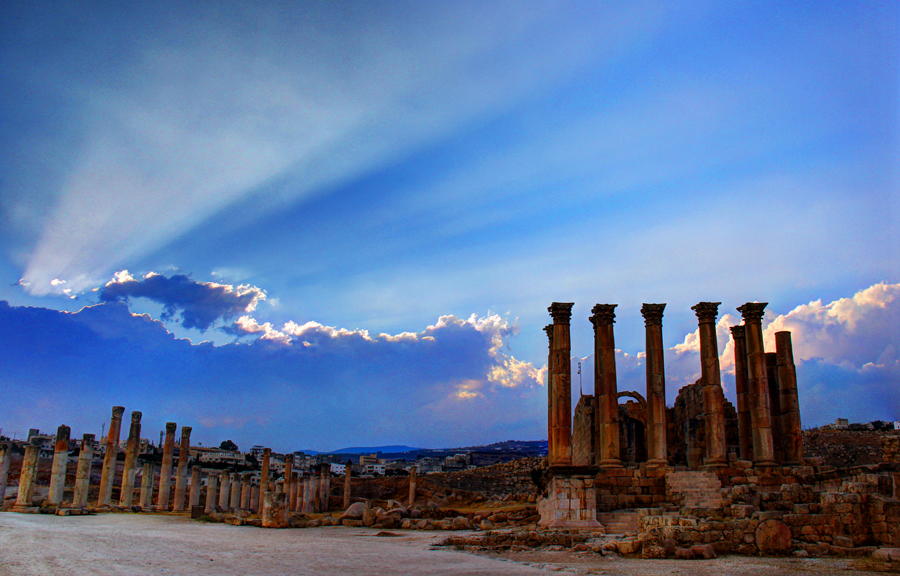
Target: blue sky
436, 173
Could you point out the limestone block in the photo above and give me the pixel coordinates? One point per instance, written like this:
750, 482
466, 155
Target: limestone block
773, 536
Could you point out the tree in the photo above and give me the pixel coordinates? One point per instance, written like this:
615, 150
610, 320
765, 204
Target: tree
228, 445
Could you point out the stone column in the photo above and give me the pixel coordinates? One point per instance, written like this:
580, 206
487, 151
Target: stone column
313, 492
288, 476
605, 385
26, 478
109, 459
561, 387
165, 472
194, 498
83, 472
212, 483
235, 503
274, 511
279, 486
5, 457
147, 485
656, 384
790, 402
295, 490
742, 389
711, 376
225, 490
264, 472
775, 405
412, 487
132, 447
326, 487
304, 505
245, 490
254, 499
551, 434
184, 455
60, 463
760, 421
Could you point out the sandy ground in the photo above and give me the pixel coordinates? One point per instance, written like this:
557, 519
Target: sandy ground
139, 544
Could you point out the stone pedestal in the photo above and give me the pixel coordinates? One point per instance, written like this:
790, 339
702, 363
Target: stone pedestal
710, 376
109, 459
656, 384
146, 498
60, 462
763, 447
165, 471
742, 390
184, 456
212, 485
26, 479
790, 402
194, 498
569, 502
560, 425
132, 447
274, 510
605, 385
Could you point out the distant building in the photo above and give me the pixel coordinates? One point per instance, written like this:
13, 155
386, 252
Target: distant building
366, 459
841, 423
217, 456
339, 469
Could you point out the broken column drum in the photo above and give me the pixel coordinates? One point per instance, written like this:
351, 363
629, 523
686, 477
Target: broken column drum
165, 472
790, 402
605, 385
711, 378
109, 459
132, 447
560, 426
83, 471
184, 455
742, 390
656, 384
760, 422
60, 462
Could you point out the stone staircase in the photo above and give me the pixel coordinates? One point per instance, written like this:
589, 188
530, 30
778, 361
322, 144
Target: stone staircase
619, 521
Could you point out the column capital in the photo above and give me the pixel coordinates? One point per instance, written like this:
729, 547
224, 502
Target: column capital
186, 431
561, 312
752, 311
653, 314
706, 311
171, 427
603, 315
117, 412
549, 330
267, 451
737, 331
136, 417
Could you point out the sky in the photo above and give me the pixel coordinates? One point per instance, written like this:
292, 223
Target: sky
311, 225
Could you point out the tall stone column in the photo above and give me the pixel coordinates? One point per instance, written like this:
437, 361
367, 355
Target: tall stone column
551, 434
560, 452
165, 471
83, 472
412, 486
326, 491
254, 499
264, 473
790, 402
775, 405
132, 447
295, 490
212, 483
5, 457
235, 503
109, 459
184, 455
146, 498
307, 505
313, 492
742, 389
26, 478
225, 490
760, 421
605, 385
711, 376
60, 462
194, 498
245, 490
656, 384
288, 473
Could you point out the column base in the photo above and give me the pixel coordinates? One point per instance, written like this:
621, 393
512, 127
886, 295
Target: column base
713, 464
611, 463
22, 509
765, 463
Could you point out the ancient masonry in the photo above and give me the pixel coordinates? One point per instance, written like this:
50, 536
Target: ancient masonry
701, 472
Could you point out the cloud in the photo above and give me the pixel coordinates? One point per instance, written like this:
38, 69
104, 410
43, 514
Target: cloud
200, 304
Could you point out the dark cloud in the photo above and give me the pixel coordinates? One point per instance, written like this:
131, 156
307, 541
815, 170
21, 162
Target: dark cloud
200, 304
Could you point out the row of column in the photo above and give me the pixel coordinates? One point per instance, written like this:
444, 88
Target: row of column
766, 386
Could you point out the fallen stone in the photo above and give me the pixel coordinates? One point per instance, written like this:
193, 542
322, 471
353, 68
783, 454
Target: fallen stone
773, 537
887, 555
355, 511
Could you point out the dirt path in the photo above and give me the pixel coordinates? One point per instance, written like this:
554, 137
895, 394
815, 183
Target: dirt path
136, 544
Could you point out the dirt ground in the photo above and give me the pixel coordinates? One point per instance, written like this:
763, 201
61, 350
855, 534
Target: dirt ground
140, 544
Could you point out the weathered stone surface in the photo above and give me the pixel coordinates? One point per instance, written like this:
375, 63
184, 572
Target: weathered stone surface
887, 555
274, 510
355, 511
890, 449
773, 536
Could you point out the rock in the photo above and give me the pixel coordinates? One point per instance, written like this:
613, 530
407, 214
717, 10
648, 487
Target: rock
843, 541
773, 536
498, 518
368, 518
683, 554
354, 511
704, 551
486, 525
352, 522
887, 554
461, 523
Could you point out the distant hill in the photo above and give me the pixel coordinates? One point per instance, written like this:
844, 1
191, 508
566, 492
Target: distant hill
375, 450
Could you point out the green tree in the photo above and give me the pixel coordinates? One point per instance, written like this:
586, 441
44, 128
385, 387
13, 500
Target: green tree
228, 445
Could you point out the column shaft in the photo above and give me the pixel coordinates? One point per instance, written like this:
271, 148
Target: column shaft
225, 490
132, 447
656, 384
212, 484
763, 448
194, 498
60, 463
184, 455
605, 385
245, 490
711, 377
288, 476
109, 459
560, 453
27, 478
5, 457
742, 389
83, 472
264, 474
165, 471
412, 486
775, 405
146, 497
235, 502
790, 402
